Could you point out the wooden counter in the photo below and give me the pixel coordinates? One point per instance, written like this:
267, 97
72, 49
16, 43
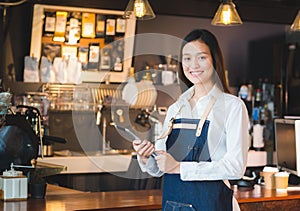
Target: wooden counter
260, 199
63, 199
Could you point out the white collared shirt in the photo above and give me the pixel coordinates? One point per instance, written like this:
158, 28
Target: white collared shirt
227, 137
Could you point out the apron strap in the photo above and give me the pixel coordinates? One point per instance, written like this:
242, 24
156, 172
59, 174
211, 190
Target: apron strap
204, 116
170, 125
201, 122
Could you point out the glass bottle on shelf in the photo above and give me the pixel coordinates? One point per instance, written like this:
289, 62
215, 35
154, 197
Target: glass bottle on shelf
257, 102
258, 122
73, 29
117, 55
118, 65
105, 60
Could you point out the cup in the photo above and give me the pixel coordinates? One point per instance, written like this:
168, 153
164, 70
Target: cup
281, 181
268, 174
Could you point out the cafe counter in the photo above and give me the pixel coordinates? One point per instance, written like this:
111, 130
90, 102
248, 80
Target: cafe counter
64, 199
91, 164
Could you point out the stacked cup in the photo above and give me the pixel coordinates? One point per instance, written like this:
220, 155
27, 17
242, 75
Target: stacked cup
268, 174
275, 179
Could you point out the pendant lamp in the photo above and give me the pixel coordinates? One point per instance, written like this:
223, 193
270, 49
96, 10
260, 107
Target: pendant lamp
226, 15
141, 10
296, 24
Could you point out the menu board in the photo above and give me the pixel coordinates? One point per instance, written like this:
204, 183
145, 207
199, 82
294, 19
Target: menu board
96, 37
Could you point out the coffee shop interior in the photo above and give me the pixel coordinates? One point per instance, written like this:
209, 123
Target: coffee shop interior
77, 75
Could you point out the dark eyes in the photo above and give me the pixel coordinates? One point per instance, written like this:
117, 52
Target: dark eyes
188, 58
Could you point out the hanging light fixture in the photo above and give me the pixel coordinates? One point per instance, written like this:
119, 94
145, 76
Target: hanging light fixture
226, 15
296, 23
140, 8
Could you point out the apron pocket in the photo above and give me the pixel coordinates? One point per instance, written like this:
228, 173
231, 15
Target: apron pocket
177, 206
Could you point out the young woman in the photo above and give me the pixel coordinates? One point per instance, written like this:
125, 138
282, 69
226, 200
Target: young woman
204, 143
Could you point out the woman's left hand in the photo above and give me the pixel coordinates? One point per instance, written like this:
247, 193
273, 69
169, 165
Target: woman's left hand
166, 163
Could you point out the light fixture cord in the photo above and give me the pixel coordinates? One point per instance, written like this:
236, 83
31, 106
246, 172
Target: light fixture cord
12, 3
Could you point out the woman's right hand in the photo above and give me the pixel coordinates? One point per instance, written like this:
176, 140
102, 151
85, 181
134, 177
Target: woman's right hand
143, 148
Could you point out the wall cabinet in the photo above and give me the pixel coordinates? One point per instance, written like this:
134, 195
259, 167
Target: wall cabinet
42, 35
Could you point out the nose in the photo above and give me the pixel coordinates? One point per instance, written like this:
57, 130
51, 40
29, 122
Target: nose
194, 62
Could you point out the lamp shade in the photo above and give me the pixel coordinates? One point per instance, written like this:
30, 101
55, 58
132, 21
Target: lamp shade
296, 24
226, 15
141, 10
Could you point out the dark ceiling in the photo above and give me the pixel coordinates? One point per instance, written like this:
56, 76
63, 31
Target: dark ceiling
272, 11
269, 11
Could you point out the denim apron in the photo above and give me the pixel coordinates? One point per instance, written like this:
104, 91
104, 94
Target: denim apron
187, 141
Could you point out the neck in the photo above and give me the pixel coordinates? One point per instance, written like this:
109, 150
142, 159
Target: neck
202, 89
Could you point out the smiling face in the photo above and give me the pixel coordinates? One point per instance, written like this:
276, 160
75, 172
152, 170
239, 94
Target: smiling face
197, 63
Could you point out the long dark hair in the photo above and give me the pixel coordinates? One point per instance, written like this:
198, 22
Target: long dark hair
210, 40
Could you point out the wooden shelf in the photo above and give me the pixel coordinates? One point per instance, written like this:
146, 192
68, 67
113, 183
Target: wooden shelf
83, 42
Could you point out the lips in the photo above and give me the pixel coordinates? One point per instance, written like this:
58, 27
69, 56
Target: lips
196, 73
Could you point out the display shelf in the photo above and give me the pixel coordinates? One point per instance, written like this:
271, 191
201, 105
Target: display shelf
37, 39
84, 42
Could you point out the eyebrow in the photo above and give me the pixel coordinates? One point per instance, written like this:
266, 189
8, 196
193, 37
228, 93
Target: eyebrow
196, 53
